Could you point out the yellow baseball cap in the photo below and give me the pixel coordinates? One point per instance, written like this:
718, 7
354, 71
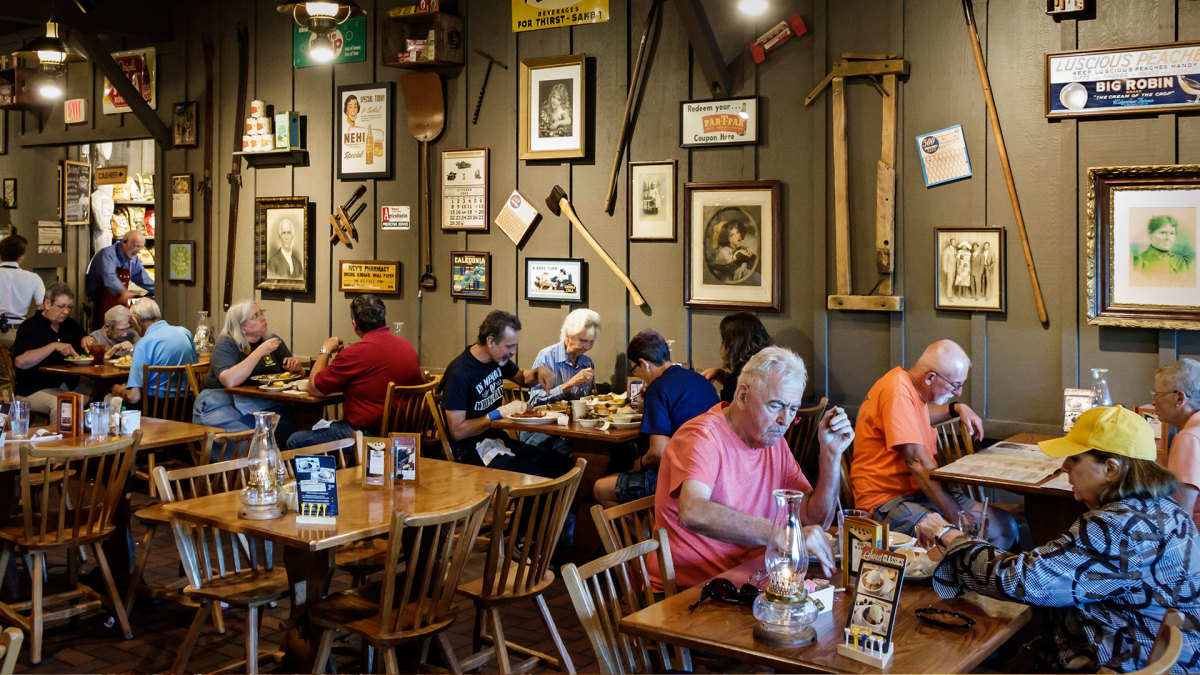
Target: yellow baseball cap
1114, 430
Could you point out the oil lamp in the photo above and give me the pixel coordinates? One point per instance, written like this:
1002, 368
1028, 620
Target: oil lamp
264, 474
784, 611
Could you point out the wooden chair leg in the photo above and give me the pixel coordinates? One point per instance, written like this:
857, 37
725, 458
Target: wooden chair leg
448, 654
548, 620
218, 619
252, 640
150, 472
5, 558
390, 665
498, 643
189, 642
324, 649
139, 566
35, 627
477, 635
113, 595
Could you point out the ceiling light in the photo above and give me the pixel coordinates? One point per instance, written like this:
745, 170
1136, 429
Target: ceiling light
49, 88
320, 17
321, 48
752, 7
50, 51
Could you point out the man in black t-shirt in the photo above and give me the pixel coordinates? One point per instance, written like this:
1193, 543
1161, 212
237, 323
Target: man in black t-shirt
473, 385
47, 339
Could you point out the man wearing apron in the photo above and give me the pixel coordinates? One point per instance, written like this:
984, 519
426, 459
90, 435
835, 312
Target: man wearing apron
110, 272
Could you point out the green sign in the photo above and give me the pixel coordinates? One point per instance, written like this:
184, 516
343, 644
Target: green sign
349, 43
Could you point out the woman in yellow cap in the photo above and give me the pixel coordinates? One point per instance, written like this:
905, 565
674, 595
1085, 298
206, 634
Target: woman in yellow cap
1106, 584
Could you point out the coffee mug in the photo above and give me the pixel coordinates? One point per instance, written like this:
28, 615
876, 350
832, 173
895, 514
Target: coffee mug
578, 409
131, 421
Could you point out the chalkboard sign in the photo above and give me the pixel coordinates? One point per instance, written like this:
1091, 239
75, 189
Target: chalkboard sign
77, 193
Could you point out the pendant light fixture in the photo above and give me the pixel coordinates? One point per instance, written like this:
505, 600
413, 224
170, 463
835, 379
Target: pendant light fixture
52, 55
321, 19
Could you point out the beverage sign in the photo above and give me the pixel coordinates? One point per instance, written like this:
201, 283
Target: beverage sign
364, 129
1124, 80
349, 43
539, 14
138, 66
731, 121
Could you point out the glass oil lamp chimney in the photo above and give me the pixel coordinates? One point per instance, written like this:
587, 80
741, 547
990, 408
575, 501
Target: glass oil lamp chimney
785, 612
203, 337
261, 496
1100, 394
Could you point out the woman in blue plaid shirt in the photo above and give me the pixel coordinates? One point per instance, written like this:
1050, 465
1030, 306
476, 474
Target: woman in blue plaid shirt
1106, 584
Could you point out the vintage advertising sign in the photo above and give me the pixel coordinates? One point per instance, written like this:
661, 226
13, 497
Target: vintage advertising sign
732, 121
138, 66
349, 43
395, 218
944, 155
539, 14
464, 189
364, 123
1123, 80
369, 276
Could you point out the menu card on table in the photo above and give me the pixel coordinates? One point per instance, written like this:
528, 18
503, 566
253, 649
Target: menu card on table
1011, 462
316, 489
877, 595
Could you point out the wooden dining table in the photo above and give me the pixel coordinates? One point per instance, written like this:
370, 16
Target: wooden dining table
101, 373
308, 407
920, 647
362, 513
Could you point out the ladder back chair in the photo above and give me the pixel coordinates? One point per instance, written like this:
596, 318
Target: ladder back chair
1168, 645
609, 588
626, 524
414, 601
954, 443
89, 483
437, 411
404, 409
166, 394
10, 646
802, 437
222, 447
527, 522
514, 392
221, 566
197, 373
8, 393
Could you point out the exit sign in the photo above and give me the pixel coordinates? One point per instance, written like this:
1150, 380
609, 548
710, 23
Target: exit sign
75, 111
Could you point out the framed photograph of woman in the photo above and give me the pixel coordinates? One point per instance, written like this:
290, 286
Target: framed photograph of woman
732, 240
365, 116
1143, 224
970, 264
283, 237
552, 107
651, 204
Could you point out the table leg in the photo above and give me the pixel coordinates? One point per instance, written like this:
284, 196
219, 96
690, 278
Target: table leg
309, 575
1054, 516
118, 548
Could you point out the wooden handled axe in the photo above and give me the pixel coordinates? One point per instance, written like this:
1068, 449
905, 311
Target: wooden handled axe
559, 205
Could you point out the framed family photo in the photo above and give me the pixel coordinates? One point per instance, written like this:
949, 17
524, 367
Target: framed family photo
181, 261
552, 107
366, 113
283, 237
555, 279
652, 204
1143, 224
183, 124
970, 264
471, 275
732, 241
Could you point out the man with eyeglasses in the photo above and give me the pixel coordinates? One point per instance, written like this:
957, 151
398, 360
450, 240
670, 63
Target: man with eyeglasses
47, 339
1176, 398
895, 444
109, 274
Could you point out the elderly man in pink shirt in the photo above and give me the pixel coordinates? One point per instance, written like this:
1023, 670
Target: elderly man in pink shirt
1177, 402
718, 471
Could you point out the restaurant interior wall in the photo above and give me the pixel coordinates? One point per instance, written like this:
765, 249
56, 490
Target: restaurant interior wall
1020, 367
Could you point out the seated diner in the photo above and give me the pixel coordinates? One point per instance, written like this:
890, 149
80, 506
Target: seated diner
48, 338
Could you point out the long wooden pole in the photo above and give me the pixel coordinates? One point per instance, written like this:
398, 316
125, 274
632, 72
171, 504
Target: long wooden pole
1008, 177
640, 67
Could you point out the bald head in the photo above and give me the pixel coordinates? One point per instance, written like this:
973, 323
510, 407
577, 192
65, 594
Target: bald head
941, 371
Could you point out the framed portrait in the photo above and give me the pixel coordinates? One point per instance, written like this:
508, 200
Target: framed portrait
471, 275
970, 268
1143, 224
555, 279
184, 123
465, 189
181, 261
181, 196
651, 204
9, 194
552, 107
366, 113
283, 237
732, 241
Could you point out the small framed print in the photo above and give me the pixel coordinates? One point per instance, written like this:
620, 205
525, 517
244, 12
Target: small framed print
9, 195
183, 122
471, 275
465, 189
970, 268
652, 203
181, 196
181, 261
552, 107
554, 279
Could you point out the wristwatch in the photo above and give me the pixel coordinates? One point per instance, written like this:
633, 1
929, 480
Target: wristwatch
941, 533
323, 351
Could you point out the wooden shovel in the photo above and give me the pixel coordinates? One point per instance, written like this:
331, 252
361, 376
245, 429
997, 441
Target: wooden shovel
426, 117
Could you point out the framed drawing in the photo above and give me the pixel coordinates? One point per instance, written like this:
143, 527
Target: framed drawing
652, 204
181, 261
732, 240
181, 196
9, 195
471, 275
970, 264
465, 189
283, 238
183, 124
1143, 223
366, 113
76, 192
552, 107
555, 279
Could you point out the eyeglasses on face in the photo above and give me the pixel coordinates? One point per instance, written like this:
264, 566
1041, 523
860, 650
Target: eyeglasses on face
68, 306
956, 386
723, 590
1155, 394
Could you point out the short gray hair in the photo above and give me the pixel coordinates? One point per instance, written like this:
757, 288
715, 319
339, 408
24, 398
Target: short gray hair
770, 361
58, 289
579, 322
145, 310
115, 315
1183, 375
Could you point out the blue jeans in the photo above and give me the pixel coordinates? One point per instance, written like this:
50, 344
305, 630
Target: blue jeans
903, 513
336, 431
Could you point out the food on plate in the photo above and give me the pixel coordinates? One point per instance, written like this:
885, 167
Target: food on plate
626, 410
558, 406
874, 614
80, 357
528, 414
124, 362
592, 416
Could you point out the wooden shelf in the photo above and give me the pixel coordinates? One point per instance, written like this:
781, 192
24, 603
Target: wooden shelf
448, 39
274, 158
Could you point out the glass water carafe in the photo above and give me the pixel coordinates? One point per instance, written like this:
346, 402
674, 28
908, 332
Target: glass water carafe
1100, 394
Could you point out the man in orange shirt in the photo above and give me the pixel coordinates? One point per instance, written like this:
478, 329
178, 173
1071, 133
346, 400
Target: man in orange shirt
895, 444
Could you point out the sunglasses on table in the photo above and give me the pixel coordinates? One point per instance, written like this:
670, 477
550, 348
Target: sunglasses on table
723, 590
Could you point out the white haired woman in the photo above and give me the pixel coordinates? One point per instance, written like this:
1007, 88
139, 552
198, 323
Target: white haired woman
572, 367
244, 349
117, 334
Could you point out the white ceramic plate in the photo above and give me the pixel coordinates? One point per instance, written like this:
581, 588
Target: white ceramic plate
899, 539
79, 359
626, 425
550, 418
267, 387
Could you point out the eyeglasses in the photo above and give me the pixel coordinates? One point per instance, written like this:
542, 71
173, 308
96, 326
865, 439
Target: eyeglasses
67, 306
723, 590
956, 386
260, 314
1155, 394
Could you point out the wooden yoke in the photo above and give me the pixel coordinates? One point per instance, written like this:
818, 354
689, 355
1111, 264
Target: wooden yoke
888, 68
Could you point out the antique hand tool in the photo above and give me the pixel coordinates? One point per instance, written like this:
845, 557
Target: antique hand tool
486, 74
426, 118
558, 203
343, 227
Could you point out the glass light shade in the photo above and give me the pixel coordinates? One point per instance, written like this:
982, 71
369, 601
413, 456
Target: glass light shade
785, 612
320, 17
329, 9
50, 89
261, 496
50, 50
321, 49
203, 336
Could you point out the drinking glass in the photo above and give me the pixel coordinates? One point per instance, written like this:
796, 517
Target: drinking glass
98, 420
973, 521
842, 515
19, 419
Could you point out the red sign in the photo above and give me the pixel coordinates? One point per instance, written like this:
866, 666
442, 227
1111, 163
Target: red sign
75, 111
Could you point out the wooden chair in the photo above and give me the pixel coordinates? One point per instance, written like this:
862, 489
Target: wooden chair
433, 401
1168, 644
606, 589
953, 443
626, 524
514, 392
847, 490
89, 483
8, 393
197, 374
802, 438
404, 409
222, 447
221, 566
414, 601
170, 398
517, 567
10, 646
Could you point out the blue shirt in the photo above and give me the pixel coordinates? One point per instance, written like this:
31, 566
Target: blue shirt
675, 397
162, 345
555, 358
102, 271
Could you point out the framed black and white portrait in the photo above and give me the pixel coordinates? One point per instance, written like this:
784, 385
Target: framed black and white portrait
553, 107
283, 238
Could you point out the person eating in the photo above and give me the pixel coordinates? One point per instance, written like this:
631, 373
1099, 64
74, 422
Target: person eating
1176, 399
573, 371
117, 336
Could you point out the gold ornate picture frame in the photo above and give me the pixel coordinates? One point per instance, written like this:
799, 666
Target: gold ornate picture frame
283, 237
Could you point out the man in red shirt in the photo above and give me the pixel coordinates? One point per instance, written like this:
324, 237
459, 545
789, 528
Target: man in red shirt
361, 371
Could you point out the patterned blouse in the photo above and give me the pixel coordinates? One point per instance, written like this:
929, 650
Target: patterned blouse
1106, 584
